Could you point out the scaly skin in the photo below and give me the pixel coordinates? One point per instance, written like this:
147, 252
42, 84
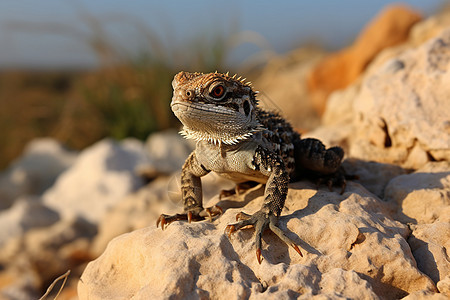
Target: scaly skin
240, 141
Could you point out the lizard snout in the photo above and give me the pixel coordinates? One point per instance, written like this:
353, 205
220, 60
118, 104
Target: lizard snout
182, 95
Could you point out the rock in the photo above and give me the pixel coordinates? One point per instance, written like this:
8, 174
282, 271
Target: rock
338, 70
421, 295
346, 284
25, 214
167, 152
444, 286
347, 236
420, 33
372, 175
403, 110
282, 86
100, 177
337, 121
35, 171
340, 106
397, 113
429, 28
428, 244
44, 248
142, 208
19, 284
42, 254
432, 182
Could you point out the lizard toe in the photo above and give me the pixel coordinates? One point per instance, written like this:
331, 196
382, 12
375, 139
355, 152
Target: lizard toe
239, 189
275, 229
165, 220
231, 228
261, 221
242, 216
211, 212
189, 216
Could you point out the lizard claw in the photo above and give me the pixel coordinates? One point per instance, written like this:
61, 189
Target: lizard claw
297, 249
258, 255
208, 211
343, 186
161, 220
261, 220
226, 193
242, 216
239, 189
330, 185
189, 216
213, 211
165, 220
229, 230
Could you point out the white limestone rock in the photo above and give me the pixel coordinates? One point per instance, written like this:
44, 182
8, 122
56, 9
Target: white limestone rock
100, 177
141, 209
402, 113
34, 259
167, 151
398, 111
444, 286
282, 87
429, 244
422, 197
25, 214
348, 236
372, 175
43, 160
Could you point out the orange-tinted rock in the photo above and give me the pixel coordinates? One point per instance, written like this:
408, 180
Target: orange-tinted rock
338, 70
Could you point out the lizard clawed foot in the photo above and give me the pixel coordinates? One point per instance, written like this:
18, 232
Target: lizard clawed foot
261, 221
227, 193
238, 189
339, 179
207, 213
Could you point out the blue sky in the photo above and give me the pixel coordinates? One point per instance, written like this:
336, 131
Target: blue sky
52, 33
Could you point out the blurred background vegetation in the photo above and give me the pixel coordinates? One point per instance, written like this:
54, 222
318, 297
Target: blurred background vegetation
127, 93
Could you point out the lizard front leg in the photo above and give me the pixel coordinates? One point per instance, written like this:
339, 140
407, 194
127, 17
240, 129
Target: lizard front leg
191, 193
271, 165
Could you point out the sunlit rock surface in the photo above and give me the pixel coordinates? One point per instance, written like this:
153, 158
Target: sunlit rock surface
345, 237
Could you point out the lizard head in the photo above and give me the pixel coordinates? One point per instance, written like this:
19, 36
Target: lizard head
215, 107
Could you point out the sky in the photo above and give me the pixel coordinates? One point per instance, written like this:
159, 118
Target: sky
56, 33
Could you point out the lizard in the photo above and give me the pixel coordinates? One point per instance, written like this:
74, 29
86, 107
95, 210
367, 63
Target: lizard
239, 140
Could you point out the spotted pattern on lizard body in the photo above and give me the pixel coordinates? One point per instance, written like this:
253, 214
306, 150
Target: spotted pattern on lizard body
242, 142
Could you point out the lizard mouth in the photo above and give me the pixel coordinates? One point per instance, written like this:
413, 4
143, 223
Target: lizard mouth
204, 121
199, 108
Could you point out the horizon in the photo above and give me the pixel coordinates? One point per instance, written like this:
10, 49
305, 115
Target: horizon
56, 34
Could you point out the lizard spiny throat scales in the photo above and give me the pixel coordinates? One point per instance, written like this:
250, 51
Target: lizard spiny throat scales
215, 107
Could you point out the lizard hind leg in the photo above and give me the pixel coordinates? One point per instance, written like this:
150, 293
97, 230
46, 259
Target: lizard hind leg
338, 179
320, 164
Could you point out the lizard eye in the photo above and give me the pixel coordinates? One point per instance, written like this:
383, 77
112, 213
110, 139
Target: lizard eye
218, 91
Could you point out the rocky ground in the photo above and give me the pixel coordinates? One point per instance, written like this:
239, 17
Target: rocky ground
386, 237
